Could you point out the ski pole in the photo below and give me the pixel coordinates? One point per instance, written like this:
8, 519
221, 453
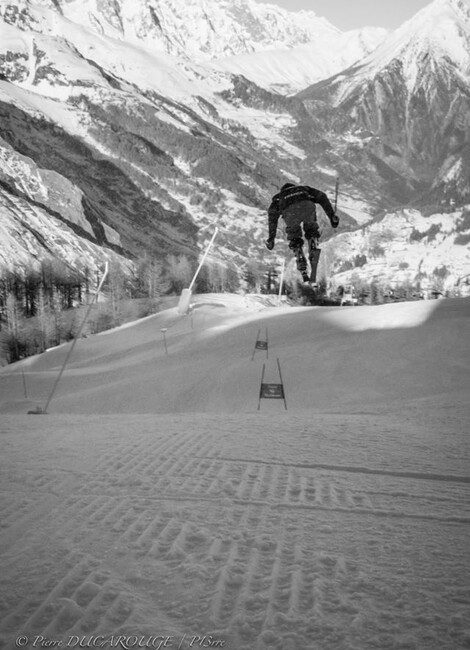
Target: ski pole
282, 281
336, 192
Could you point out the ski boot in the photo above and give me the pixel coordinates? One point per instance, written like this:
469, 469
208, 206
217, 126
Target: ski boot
301, 261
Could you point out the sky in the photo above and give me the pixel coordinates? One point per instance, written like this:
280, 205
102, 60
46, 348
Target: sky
351, 14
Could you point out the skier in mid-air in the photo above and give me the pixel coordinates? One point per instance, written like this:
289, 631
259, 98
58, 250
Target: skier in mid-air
296, 205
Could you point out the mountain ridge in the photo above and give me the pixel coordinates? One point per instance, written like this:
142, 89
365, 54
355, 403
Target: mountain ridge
408, 105
196, 143
191, 29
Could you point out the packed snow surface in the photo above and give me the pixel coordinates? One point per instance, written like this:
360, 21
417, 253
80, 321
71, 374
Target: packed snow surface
156, 504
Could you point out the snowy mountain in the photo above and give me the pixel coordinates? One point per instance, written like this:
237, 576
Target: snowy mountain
404, 111
141, 158
291, 70
129, 128
169, 150
196, 30
273, 47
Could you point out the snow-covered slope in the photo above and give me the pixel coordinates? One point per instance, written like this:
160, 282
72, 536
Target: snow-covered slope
45, 51
155, 504
291, 70
195, 29
208, 367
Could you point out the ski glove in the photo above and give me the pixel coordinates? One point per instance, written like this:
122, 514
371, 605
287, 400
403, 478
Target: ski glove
334, 221
269, 243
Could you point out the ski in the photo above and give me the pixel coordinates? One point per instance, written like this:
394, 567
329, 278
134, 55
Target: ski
313, 256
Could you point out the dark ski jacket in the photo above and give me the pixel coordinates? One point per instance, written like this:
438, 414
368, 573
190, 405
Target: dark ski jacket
291, 194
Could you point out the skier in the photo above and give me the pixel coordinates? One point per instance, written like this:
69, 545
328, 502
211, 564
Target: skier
296, 204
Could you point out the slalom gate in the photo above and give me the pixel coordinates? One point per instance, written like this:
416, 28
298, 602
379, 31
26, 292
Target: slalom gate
272, 390
261, 345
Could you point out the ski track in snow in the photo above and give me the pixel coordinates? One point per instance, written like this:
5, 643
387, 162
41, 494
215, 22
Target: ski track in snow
156, 526
287, 530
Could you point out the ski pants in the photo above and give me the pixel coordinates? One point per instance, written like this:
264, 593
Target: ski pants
296, 215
